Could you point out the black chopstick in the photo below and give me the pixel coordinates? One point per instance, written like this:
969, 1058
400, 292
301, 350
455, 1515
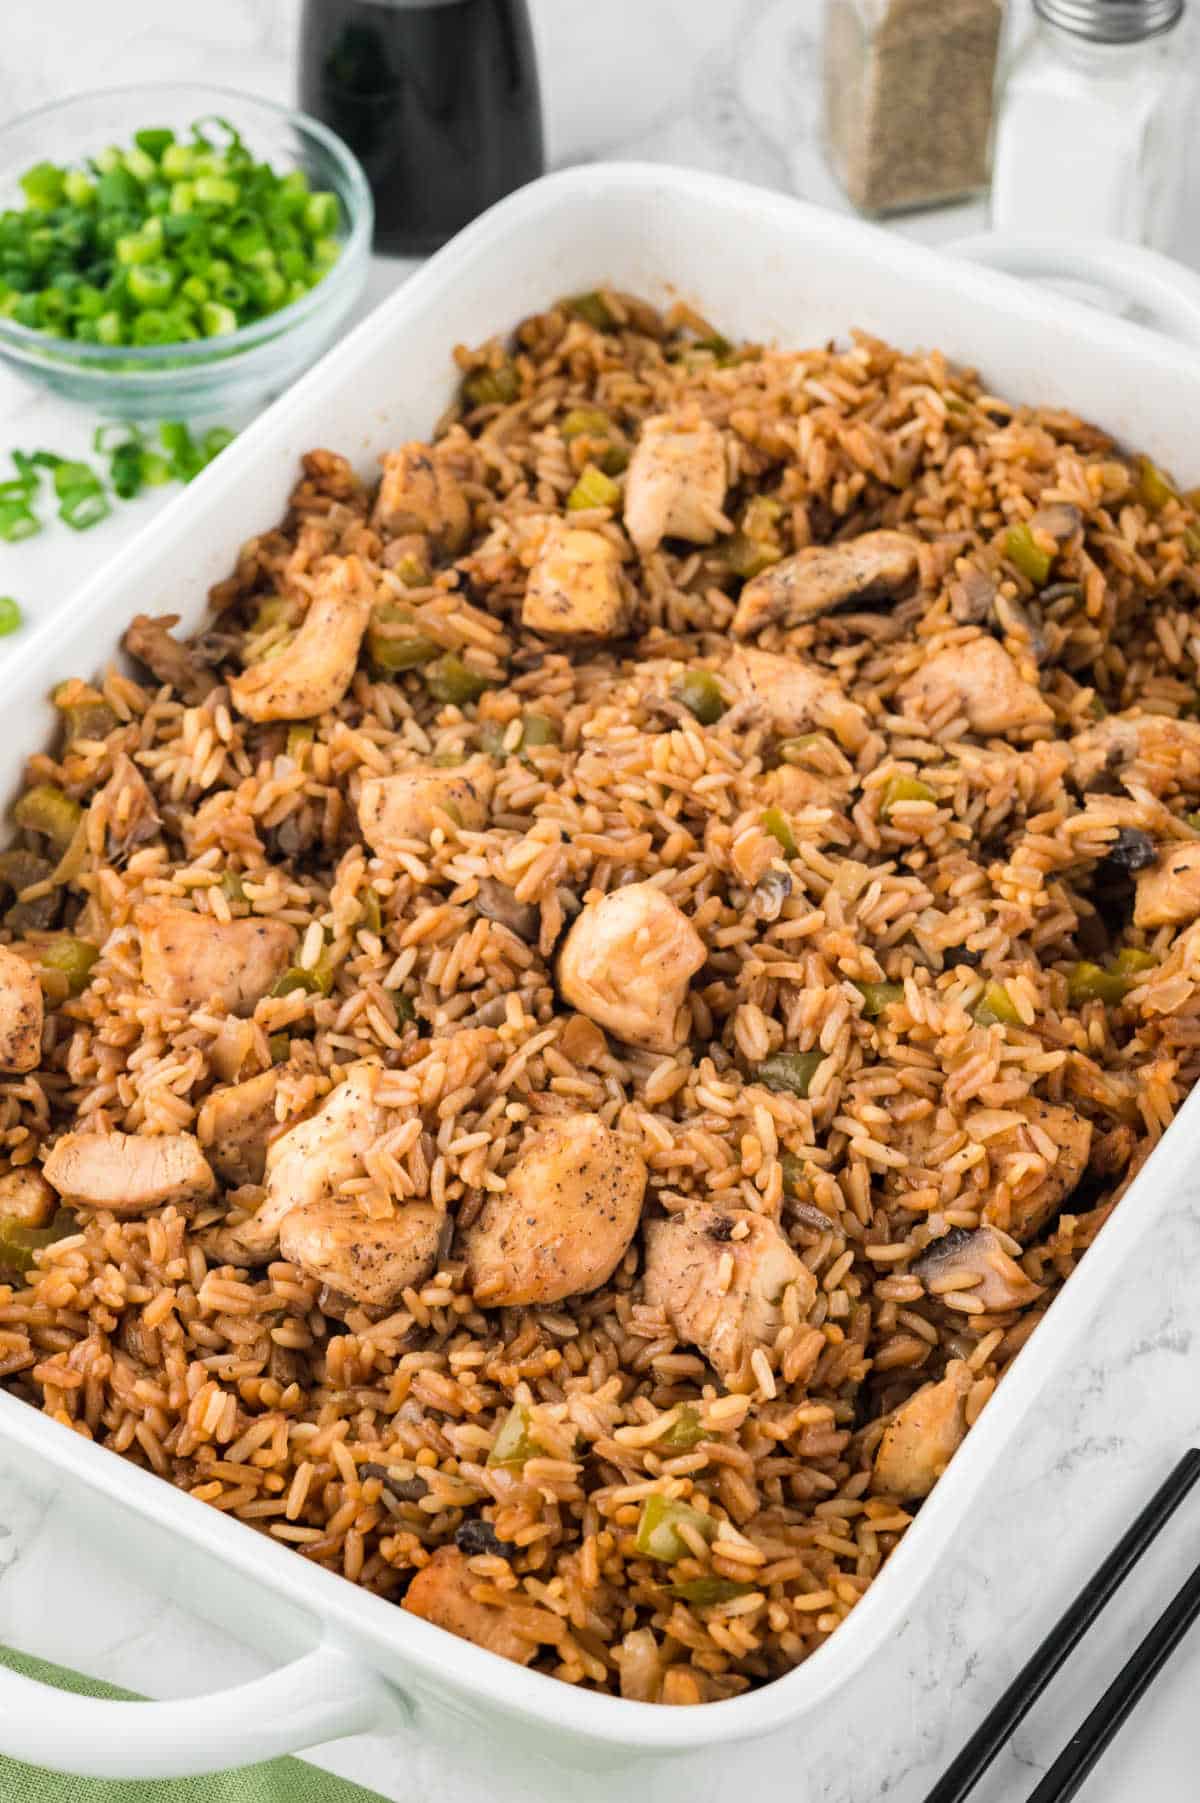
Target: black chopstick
1131, 1682
962, 1775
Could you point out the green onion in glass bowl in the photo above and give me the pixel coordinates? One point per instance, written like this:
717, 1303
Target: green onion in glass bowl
230, 238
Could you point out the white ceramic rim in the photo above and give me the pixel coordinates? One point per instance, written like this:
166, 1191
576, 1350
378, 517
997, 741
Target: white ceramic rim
363, 1628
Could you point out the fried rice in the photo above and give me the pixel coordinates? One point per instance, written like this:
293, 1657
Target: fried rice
944, 1000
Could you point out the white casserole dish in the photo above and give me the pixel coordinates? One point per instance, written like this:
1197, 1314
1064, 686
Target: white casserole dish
760, 265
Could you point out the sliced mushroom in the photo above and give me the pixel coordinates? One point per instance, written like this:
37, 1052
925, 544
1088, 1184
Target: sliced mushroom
720, 1279
977, 1263
923, 1435
370, 1260
397, 813
795, 695
313, 1159
972, 595
442, 1592
575, 588
191, 960
1061, 519
149, 640
676, 483
981, 678
313, 672
496, 901
1168, 893
1037, 1184
420, 492
627, 962
128, 1173
22, 1013
564, 1220
821, 577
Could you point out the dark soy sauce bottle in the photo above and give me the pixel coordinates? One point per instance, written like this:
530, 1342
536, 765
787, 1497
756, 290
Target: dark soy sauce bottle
437, 98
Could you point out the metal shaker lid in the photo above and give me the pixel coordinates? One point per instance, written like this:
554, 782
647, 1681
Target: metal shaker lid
1111, 21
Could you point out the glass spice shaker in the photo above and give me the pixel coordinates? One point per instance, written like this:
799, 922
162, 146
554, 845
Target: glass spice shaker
438, 99
908, 88
1092, 120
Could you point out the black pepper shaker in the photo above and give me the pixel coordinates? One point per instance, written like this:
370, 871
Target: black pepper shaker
438, 99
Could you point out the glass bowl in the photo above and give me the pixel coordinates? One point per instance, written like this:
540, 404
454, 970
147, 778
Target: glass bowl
240, 370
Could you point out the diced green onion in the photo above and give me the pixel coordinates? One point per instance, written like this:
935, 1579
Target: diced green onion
996, 1007
17, 521
789, 1072
776, 822
658, 1532
83, 508
154, 140
10, 615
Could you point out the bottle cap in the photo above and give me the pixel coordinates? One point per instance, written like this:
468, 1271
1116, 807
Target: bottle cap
1111, 21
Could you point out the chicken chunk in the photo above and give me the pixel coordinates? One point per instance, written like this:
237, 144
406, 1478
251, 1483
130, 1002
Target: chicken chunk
312, 1160
192, 960
1161, 751
977, 1263
676, 483
564, 1219
128, 1172
923, 1435
22, 1013
395, 811
371, 1261
26, 1197
1037, 1186
822, 577
795, 695
311, 675
627, 962
575, 588
149, 640
1168, 893
722, 1288
441, 1593
238, 1122
420, 492
981, 677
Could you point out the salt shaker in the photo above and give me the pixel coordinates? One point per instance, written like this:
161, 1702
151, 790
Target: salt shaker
908, 98
1093, 120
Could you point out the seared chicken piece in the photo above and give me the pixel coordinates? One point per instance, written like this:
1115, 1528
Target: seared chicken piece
575, 588
1163, 750
190, 960
371, 1261
1168, 893
923, 1435
313, 672
149, 640
393, 811
128, 1172
441, 1593
795, 695
1037, 1193
977, 1263
984, 681
26, 1197
421, 493
564, 1220
822, 577
627, 962
238, 1122
721, 1293
132, 816
22, 1013
676, 483
314, 1158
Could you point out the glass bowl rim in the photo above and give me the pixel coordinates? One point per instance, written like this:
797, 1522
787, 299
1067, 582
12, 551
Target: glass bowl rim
44, 349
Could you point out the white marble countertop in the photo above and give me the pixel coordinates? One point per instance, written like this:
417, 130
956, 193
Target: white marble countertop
726, 85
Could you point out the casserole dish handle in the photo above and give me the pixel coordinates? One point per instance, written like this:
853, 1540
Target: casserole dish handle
1165, 293
321, 1696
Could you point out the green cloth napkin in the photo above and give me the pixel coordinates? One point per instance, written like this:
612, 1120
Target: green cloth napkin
282, 1781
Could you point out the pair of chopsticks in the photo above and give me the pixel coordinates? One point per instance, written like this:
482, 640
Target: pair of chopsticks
1090, 1739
